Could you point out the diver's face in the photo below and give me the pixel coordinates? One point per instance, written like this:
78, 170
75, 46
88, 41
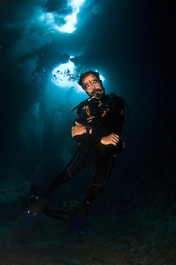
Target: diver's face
91, 84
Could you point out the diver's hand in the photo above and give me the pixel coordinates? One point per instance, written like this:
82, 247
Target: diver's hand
78, 129
110, 139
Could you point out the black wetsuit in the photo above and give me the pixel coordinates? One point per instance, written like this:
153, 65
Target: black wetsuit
104, 116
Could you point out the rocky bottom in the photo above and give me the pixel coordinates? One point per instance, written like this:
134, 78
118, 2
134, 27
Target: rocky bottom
135, 238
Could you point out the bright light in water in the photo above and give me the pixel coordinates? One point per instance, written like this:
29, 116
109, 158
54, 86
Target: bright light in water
69, 26
71, 20
101, 78
66, 75
48, 17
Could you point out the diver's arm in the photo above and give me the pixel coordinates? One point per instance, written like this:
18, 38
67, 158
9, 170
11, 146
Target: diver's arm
110, 139
106, 134
79, 132
80, 129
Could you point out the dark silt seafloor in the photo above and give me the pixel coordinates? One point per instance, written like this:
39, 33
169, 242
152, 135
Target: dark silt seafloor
142, 236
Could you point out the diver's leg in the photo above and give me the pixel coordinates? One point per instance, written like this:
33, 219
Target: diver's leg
101, 174
29, 217
77, 164
102, 168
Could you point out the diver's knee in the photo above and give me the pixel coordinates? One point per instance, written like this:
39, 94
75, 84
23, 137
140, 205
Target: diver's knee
94, 193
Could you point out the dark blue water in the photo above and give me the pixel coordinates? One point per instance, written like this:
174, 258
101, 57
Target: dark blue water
132, 45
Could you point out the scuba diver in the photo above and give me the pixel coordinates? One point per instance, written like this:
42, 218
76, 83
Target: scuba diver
97, 128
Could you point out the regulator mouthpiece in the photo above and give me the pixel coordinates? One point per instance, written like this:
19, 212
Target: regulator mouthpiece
98, 94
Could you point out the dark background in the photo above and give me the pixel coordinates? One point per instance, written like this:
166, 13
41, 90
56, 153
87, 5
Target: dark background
132, 45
